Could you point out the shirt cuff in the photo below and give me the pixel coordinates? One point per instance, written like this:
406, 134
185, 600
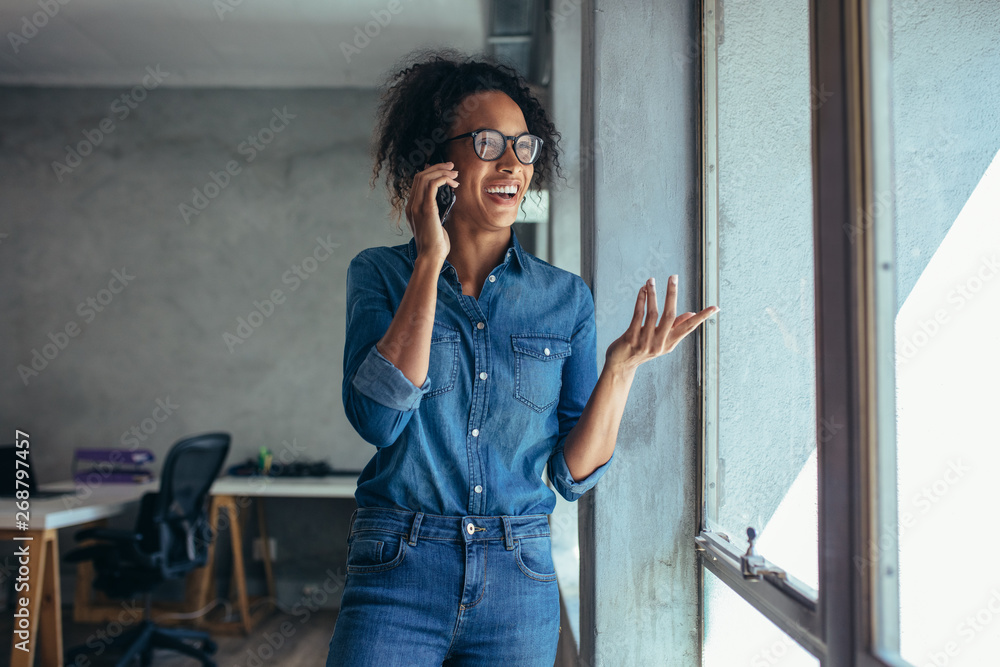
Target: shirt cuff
561, 475
378, 379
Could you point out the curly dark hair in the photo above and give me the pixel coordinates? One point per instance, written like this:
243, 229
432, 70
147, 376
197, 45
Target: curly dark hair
424, 95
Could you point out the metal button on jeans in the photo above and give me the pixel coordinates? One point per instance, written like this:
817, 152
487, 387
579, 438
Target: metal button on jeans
475, 432
469, 528
479, 488
493, 279
480, 325
547, 351
482, 376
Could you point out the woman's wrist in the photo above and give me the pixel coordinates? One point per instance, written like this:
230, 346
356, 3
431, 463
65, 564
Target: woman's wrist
429, 260
619, 372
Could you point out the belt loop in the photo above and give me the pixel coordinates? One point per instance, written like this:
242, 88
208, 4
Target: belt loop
415, 528
508, 537
354, 515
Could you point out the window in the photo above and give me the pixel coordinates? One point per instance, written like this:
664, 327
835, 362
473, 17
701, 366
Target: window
850, 237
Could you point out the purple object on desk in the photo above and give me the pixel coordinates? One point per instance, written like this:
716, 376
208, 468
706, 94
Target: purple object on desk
114, 466
132, 456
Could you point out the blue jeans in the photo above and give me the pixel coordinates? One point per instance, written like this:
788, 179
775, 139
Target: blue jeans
426, 589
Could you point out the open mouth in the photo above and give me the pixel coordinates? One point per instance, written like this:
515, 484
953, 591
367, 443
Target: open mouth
502, 193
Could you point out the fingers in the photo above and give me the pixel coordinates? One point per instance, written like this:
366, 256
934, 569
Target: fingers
671, 305
671, 329
683, 317
640, 302
652, 315
689, 324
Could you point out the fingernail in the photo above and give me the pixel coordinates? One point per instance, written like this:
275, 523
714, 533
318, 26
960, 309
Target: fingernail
652, 281
673, 279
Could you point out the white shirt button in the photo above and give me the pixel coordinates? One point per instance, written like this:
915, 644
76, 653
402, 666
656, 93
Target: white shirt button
493, 279
482, 376
480, 325
469, 528
475, 432
546, 351
479, 489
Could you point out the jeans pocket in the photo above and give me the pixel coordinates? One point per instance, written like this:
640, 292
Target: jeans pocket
374, 551
443, 364
534, 557
539, 360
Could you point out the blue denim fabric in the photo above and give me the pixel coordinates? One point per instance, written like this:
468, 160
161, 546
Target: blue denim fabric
424, 589
509, 376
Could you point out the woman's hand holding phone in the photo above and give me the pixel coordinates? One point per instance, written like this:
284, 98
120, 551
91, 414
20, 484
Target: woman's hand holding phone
422, 212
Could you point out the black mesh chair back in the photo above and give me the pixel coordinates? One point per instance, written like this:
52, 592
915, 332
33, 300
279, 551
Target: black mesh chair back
176, 516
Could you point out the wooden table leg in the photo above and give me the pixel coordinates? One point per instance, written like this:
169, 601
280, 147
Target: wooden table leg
239, 570
201, 584
50, 640
272, 590
42, 635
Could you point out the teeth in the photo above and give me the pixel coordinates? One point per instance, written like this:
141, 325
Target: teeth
497, 189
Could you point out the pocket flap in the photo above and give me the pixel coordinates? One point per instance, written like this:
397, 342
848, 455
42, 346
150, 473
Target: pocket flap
542, 346
443, 332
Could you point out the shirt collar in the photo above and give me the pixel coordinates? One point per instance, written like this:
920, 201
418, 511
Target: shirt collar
513, 250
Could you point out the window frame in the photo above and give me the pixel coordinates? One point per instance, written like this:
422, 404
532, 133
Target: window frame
854, 618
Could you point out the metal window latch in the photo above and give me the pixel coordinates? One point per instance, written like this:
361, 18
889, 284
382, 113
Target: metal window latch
755, 566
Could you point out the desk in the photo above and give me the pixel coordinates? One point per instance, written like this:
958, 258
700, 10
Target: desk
229, 493
82, 505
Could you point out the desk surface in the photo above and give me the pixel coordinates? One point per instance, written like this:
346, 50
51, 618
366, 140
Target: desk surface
81, 504
332, 486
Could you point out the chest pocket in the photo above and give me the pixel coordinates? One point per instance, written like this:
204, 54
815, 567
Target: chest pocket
539, 360
443, 365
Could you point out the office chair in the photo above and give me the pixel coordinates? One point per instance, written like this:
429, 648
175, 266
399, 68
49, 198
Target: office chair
170, 538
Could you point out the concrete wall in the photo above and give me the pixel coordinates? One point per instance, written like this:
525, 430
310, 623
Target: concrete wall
161, 337
639, 578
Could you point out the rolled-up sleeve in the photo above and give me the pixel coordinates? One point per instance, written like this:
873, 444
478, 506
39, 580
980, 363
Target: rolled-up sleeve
378, 379
378, 399
579, 380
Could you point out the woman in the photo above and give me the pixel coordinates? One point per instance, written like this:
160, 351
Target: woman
471, 365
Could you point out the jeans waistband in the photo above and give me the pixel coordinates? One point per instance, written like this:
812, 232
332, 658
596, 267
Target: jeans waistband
468, 528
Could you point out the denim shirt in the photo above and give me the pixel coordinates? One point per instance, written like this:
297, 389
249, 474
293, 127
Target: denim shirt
509, 376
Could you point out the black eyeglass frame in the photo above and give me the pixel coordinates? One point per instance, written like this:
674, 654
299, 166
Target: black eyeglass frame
513, 139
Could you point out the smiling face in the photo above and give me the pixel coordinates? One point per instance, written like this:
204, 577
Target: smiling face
476, 201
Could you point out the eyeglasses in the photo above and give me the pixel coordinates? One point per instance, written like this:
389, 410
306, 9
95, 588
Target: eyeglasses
491, 144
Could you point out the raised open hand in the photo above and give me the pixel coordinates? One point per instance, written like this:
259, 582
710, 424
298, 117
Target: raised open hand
644, 341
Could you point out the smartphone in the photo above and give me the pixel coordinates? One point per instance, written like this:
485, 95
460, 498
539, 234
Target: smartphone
445, 200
